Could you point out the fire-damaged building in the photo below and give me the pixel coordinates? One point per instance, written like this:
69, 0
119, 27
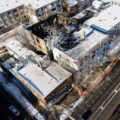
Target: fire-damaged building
115, 2
13, 13
49, 85
42, 32
40, 10
92, 40
41, 35
83, 46
70, 9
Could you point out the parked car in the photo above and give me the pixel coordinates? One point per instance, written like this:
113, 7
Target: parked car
14, 110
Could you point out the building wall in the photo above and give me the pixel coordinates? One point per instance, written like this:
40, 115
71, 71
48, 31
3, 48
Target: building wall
115, 31
48, 10
98, 51
114, 2
1, 23
24, 14
12, 17
96, 54
60, 90
64, 59
43, 12
62, 20
40, 44
26, 37
43, 46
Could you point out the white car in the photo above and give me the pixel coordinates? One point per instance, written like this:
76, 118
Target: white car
14, 110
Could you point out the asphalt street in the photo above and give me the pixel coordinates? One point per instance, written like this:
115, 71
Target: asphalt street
6, 101
103, 100
109, 104
5, 113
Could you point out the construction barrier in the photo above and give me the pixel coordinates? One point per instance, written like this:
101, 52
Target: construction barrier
98, 80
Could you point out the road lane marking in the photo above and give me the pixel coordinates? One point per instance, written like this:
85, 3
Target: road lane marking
102, 107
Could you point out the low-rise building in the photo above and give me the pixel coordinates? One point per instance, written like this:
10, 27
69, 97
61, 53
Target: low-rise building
49, 84
98, 4
14, 12
24, 53
11, 14
115, 2
107, 22
42, 9
70, 9
81, 48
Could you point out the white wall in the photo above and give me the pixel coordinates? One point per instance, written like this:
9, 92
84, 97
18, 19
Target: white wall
68, 61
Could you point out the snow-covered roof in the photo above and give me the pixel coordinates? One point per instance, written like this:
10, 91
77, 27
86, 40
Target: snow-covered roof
43, 82
93, 38
79, 15
36, 4
16, 47
106, 1
107, 19
86, 30
116, 1
6, 5
72, 2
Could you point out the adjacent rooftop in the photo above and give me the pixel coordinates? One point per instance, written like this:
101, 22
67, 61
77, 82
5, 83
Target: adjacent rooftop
43, 81
116, 1
72, 2
36, 4
11, 4
19, 49
107, 19
84, 46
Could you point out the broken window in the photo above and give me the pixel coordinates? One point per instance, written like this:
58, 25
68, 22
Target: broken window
15, 10
9, 13
1, 27
0, 22
53, 9
93, 56
37, 40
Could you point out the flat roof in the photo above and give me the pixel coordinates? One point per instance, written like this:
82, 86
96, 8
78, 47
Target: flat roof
57, 71
85, 46
72, 2
6, 5
19, 49
107, 19
86, 30
116, 1
44, 82
79, 15
106, 1
36, 4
